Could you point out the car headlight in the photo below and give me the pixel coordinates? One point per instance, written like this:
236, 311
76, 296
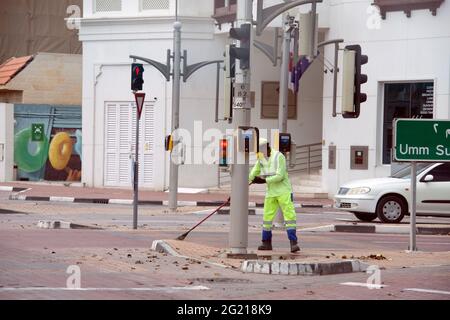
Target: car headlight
362, 190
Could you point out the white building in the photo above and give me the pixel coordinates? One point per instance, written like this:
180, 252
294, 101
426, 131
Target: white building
402, 50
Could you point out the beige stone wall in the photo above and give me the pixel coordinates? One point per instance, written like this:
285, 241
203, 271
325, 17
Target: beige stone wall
51, 78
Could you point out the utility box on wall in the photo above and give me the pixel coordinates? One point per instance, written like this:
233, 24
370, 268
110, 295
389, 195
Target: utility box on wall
359, 157
331, 157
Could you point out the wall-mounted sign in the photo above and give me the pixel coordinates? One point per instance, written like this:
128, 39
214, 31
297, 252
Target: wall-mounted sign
242, 99
37, 132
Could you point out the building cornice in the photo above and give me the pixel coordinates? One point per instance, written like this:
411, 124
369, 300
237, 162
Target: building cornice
143, 28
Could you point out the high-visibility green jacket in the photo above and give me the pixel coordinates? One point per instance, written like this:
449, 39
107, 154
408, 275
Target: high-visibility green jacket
278, 182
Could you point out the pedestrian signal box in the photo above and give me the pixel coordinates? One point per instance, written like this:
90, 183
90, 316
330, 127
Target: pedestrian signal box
247, 139
284, 143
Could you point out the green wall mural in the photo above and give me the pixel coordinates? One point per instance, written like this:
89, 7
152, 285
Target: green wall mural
48, 142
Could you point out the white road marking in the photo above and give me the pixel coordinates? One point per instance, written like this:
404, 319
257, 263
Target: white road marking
394, 242
363, 284
427, 291
62, 199
326, 228
191, 288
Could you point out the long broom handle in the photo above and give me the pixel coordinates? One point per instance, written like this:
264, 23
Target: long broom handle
221, 206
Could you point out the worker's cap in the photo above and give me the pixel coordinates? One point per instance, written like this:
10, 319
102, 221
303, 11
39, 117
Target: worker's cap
263, 142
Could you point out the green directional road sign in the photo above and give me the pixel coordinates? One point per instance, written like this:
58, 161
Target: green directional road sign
37, 132
423, 140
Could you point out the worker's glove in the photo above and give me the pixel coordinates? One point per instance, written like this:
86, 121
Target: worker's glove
259, 180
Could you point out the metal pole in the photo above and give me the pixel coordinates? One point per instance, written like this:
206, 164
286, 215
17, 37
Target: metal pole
335, 74
173, 183
313, 28
283, 99
335, 68
216, 117
412, 240
136, 175
238, 237
284, 80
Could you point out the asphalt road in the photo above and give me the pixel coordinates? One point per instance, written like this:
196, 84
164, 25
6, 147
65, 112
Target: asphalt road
117, 263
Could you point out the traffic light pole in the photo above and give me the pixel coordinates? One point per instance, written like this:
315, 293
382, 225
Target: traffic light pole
284, 77
412, 234
173, 182
238, 237
136, 175
335, 68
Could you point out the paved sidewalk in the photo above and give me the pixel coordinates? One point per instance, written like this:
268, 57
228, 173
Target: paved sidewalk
65, 193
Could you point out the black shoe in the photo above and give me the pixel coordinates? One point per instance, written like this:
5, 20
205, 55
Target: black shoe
266, 245
294, 246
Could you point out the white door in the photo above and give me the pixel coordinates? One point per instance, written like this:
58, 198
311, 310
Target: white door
120, 140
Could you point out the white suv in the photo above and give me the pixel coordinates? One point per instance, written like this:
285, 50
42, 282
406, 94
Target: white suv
389, 198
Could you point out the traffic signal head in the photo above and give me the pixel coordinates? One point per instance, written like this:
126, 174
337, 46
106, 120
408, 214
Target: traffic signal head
168, 143
137, 79
355, 57
229, 75
223, 153
242, 53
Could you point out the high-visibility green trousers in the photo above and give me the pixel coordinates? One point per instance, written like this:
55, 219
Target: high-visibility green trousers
271, 206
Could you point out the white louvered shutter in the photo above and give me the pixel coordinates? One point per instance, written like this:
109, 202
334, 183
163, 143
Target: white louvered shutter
148, 142
111, 146
120, 142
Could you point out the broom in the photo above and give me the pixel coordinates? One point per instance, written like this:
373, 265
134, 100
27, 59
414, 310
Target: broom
183, 236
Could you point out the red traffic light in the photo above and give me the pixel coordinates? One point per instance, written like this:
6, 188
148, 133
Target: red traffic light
223, 153
137, 73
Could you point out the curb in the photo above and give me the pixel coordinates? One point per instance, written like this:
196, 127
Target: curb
121, 201
163, 247
303, 268
63, 225
141, 202
278, 267
12, 189
379, 229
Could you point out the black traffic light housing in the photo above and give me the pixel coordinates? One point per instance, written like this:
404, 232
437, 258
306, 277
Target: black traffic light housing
360, 78
168, 143
242, 53
223, 153
284, 143
137, 76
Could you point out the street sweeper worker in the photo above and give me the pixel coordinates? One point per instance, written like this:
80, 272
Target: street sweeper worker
270, 168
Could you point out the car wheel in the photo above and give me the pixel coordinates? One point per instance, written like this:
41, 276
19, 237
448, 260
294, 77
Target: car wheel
365, 216
391, 209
